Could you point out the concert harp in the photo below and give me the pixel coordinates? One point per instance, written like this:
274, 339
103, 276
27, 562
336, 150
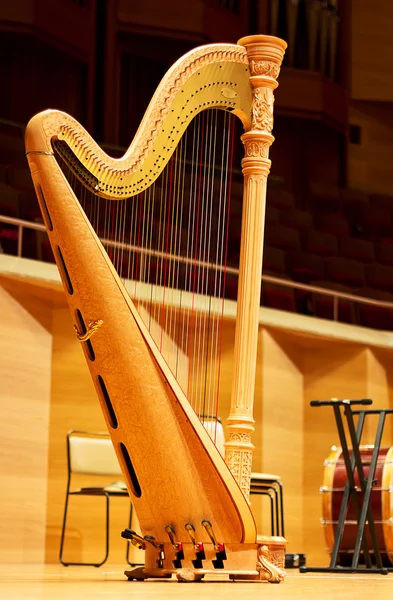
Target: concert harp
140, 244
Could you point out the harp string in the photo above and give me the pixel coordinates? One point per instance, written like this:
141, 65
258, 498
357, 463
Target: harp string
163, 242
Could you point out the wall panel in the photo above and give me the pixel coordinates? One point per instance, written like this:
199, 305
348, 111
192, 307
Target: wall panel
25, 364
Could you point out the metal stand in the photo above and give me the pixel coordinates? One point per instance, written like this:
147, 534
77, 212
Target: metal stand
360, 497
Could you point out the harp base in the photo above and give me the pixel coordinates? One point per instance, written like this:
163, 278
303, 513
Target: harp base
263, 561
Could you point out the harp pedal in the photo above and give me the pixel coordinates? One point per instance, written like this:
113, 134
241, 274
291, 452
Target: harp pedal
198, 547
178, 547
135, 539
218, 563
161, 557
160, 547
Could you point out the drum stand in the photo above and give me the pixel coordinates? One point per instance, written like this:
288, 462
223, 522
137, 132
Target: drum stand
360, 497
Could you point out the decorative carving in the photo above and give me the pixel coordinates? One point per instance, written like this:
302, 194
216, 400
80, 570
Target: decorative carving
92, 327
265, 67
254, 148
239, 461
262, 109
269, 565
232, 459
246, 472
103, 166
243, 438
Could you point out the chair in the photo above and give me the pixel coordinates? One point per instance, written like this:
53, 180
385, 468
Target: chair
270, 485
323, 306
345, 271
380, 277
384, 253
323, 244
262, 484
273, 261
304, 267
382, 201
301, 220
91, 453
333, 223
373, 222
283, 237
281, 199
272, 215
351, 199
324, 197
377, 317
277, 296
357, 249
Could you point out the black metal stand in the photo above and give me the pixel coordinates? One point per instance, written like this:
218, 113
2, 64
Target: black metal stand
360, 497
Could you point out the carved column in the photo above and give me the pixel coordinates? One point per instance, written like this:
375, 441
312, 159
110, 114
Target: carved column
265, 55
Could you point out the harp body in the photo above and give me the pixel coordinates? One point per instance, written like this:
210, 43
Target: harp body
175, 475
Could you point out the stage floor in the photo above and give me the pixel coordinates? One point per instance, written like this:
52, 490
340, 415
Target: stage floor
54, 582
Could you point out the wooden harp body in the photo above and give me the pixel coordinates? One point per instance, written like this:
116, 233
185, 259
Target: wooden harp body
192, 506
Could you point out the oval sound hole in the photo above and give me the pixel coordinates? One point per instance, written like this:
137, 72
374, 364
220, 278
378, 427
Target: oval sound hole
63, 271
110, 413
136, 488
82, 329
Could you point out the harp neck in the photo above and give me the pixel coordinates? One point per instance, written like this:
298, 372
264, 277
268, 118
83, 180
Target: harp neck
213, 76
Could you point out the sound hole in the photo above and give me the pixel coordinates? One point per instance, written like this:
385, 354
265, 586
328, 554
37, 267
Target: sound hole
108, 404
136, 488
82, 329
63, 271
44, 208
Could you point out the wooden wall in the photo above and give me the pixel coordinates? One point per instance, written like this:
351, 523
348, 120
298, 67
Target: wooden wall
74, 406
25, 364
48, 391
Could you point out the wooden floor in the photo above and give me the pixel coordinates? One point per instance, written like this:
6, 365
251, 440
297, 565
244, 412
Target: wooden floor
32, 582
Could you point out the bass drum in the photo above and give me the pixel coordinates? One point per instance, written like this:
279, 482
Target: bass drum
334, 480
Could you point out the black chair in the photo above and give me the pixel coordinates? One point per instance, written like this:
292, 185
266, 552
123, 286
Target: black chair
90, 453
267, 484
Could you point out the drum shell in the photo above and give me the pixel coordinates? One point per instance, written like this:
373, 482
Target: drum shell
381, 502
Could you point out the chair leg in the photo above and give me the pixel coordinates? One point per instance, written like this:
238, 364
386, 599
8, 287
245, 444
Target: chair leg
107, 531
272, 513
63, 531
66, 564
277, 488
281, 508
277, 509
266, 491
129, 543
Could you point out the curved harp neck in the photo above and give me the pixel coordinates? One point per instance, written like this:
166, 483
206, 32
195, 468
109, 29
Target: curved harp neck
213, 76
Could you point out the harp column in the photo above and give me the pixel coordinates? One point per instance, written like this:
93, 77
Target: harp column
265, 55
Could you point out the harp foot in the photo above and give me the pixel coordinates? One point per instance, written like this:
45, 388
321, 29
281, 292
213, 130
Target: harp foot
262, 561
186, 575
271, 559
140, 574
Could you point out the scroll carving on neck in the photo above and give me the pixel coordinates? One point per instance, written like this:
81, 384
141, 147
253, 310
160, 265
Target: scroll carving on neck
265, 67
262, 109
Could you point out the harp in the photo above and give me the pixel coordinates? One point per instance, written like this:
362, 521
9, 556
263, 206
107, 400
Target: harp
192, 505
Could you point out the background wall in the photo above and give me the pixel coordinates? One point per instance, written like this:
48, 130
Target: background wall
25, 375
48, 391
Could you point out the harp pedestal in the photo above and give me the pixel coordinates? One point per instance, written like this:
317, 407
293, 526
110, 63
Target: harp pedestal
263, 561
